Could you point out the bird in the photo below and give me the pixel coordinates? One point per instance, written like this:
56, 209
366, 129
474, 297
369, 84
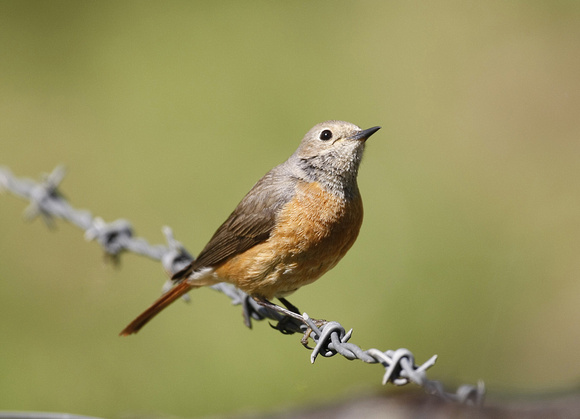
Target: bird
295, 224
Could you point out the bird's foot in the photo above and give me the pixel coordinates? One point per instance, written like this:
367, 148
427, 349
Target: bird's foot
319, 323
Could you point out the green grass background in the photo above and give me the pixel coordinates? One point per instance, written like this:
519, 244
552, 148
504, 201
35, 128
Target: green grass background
166, 113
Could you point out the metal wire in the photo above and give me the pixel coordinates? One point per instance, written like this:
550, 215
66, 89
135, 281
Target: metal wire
41, 415
330, 337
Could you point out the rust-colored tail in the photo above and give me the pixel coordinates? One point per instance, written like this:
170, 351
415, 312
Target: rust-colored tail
163, 301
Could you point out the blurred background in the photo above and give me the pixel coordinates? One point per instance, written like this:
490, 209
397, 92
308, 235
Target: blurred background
166, 113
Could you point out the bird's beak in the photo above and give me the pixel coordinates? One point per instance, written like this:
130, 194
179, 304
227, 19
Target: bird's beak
365, 133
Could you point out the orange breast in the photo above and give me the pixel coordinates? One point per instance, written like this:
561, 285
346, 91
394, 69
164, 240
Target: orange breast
314, 231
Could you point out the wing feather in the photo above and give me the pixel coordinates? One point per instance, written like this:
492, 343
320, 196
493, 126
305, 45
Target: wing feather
249, 224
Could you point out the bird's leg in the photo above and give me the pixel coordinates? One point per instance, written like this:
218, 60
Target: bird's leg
282, 325
294, 314
318, 322
289, 305
290, 323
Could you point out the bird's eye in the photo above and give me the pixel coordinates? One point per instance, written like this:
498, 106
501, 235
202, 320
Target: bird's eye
326, 135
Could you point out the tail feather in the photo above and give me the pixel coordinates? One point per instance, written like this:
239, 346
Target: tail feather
163, 301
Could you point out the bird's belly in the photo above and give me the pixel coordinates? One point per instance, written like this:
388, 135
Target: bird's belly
314, 231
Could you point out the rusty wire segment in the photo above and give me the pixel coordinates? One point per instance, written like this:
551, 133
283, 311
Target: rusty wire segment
117, 237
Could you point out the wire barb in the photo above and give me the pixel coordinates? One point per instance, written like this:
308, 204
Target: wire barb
330, 338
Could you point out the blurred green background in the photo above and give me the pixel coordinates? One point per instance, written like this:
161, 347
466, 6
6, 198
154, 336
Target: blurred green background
166, 113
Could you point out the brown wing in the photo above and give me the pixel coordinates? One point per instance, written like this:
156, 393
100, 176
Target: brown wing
250, 224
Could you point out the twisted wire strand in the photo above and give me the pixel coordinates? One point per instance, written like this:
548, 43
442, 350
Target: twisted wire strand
42, 415
330, 338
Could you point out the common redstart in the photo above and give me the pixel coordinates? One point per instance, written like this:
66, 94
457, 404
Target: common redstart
293, 226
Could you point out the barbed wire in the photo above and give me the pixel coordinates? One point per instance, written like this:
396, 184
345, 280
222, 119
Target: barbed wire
330, 338
42, 415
